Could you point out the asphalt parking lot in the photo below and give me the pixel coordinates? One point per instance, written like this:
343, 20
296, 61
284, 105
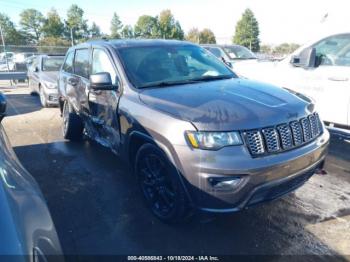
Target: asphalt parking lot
97, 208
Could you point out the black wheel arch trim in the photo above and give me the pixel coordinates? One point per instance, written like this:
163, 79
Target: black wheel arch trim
167, 153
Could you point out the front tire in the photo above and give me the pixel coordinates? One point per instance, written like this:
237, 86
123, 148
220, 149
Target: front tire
73, 125
161, 185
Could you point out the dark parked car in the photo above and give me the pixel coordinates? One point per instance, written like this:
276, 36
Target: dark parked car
42, 78
26, 227
196, 135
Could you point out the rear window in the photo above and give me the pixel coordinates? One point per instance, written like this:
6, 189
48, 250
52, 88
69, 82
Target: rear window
68, 64
81, 62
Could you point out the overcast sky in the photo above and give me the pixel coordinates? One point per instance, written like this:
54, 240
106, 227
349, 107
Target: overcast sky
279, 20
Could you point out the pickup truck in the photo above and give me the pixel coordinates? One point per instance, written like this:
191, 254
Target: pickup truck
319, 69
195, 135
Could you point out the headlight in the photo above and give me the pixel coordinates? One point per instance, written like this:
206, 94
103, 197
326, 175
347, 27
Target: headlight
213, 140
50, 85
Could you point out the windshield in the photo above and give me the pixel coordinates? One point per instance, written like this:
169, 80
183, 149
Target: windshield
165, 65
52, 63
239, 52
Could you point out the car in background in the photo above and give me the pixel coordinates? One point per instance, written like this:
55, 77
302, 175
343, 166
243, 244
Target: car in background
22, 57
42, 78
6, 61
319, 69
27, 230
8, 55
196, 135
231, 54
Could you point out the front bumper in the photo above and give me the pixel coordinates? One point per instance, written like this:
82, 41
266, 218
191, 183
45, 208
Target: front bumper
51, 95
264, 178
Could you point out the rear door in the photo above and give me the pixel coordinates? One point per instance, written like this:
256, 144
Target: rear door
33, 74
65, 87
104, 104
80, 80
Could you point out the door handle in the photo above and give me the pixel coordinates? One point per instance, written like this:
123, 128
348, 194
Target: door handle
72, 81
338, 78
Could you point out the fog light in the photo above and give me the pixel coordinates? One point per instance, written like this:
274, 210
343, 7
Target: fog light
225, 184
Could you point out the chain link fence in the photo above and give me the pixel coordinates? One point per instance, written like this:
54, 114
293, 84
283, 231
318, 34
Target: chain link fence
14, 58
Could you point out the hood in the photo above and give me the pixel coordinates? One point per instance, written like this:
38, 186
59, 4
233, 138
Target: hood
49, 76
233, 104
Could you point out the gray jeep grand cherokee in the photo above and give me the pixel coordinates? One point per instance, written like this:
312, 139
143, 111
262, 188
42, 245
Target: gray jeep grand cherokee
195, 134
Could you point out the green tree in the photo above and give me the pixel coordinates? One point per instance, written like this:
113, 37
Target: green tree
53, 26
116, 26
95, 31
11, 35
51, 44
32, 22
76, 24
193, 35
146, 27
206, 36
266, 49
285, 48
247, 31
169, 28
127, 32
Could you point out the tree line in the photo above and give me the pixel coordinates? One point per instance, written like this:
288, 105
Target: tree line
36, 28
50, 29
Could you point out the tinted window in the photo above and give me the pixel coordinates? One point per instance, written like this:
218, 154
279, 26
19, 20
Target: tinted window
102, 63
81, 62
68, 64
52, 63
334, 50
146, 66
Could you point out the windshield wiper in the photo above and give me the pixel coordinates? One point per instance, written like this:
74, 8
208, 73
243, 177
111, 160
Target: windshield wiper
168, 83
211, 78
186, 82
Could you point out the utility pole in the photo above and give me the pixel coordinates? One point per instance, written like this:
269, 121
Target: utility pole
3, 44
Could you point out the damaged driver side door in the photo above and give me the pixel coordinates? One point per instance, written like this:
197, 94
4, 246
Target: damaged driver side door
103, 104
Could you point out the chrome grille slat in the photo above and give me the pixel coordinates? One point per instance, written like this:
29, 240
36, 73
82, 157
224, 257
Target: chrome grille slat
255, 142
283, 137
271, 139
313, 125
297, 134
305, 125
286, 136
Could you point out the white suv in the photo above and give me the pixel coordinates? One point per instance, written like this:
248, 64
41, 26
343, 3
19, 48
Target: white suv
320, 70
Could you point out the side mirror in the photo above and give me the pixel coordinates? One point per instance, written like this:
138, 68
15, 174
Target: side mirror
36, 69
102, 81
2, 106
306, 59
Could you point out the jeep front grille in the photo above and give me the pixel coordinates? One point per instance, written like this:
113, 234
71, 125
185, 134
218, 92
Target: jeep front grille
284, 136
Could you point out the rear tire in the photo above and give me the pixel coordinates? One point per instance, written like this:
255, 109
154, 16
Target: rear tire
73, 126
161, 185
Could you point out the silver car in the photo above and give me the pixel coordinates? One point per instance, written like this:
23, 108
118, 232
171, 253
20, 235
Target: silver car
42, 78
26, 227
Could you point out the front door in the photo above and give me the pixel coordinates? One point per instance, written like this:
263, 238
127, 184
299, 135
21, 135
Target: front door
104, 104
